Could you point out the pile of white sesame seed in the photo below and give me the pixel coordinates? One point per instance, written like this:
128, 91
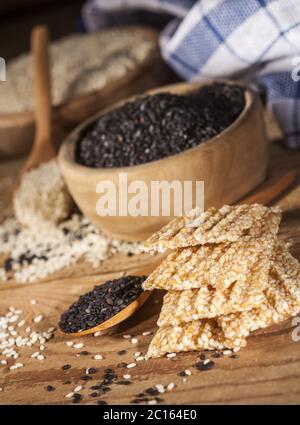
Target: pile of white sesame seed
34, 255
42, 197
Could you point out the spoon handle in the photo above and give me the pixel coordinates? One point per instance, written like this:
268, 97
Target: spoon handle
42, 84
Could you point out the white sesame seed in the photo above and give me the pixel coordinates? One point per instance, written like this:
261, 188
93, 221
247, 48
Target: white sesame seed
3, 362
1, 389
188, 372
170, 386
160, 388
78, 388
38, 319
147, 333
171, 355
16, 366
69, 343
40, 357
78, 345
152, 402
206, 361
126, 376
33, 302
98, 333
98, 357
134, 341
126, 336
140, 358
69, 395
22, 323
137, 354
227, 352
42, 347
35, 354
184, 380
131, 365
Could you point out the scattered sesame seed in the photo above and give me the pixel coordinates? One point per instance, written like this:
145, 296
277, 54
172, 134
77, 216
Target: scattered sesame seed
33, 302
98, 333
69, 343
66, 367
206, 361
188, 372
137, 354
151, 402
78, 388
35, 354
22, 323
134, 341
3, 362
131, 365
126, 336
171, 386
69, 395
40, 357
98, 357
147, 333
38, 319
78, 345
140, 358
160, 388
171, 355
227, 352
50, 388
126, 376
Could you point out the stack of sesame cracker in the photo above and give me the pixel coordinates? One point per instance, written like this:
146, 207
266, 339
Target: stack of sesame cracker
226, 276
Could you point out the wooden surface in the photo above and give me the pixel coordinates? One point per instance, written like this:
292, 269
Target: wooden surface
230, 164
266, 371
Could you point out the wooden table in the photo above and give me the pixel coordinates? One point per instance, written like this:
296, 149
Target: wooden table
266, 371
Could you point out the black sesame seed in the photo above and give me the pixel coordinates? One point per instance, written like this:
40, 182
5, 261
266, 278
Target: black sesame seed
50, 388
85, 378
152, 391
66, 367
122, 352
154, 127
102, 402
206, 366
94, 394
95, 387
92, 370
102, 303
66, 382
124, 383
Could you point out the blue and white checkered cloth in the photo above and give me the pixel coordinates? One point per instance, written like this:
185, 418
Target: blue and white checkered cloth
257, 41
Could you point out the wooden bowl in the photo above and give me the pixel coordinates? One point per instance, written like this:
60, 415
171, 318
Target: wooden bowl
17, 129
230, 164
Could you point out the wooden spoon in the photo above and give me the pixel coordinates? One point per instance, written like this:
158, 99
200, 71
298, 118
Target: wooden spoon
43, 149
117, 318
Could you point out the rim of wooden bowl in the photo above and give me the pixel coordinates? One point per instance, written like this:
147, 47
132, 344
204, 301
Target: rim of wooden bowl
67, 149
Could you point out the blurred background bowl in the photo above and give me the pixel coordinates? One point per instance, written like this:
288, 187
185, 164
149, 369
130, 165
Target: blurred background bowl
231, 164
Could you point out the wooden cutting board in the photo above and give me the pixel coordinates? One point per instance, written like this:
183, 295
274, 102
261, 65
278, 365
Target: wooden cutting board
266, 371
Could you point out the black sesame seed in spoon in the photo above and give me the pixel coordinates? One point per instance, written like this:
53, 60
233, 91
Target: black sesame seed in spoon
102, 303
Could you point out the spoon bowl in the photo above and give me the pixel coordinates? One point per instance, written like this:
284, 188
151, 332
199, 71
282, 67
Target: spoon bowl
116, 319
